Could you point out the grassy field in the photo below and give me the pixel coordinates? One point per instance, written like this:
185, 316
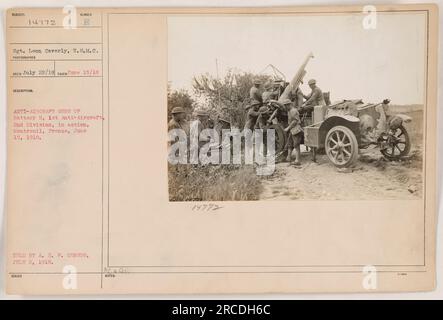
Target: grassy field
213, 183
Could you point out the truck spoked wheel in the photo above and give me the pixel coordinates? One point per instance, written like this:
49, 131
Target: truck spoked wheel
280, 141
395, 144
341, 146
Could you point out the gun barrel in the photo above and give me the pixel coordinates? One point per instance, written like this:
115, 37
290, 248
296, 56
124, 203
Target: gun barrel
296, 80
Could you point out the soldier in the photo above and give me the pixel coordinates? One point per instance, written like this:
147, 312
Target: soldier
271, 92
254, 93
222, 125
203, 122
252, 115
295, 132
178, 120
315, 98
298, 97
266, 95
263, 118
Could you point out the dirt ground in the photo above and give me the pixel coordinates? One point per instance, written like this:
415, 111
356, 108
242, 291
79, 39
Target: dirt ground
372, 177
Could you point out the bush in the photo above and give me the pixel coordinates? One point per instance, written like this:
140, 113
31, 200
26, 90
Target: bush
227, 97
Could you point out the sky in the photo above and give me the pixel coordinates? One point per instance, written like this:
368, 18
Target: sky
350, 62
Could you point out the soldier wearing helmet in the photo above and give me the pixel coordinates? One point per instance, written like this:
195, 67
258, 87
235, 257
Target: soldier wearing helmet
254, 93
223, 123
271, 92
203, 122
204, 119
252, 115
315, 98
294, 130
178, 120
263, 117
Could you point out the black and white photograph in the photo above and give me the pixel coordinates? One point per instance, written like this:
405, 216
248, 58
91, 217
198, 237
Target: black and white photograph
331, 105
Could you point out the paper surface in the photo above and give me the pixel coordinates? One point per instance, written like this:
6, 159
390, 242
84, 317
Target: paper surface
95, 206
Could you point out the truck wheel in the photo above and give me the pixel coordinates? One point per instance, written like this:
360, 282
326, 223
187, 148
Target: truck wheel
395, 145
280, 139
341, 146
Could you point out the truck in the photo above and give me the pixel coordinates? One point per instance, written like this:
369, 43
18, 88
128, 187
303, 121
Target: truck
341, 129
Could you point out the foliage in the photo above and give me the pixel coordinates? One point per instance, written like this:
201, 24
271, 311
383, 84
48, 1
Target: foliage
227, 97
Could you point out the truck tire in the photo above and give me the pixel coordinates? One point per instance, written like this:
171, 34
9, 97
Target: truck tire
341, 146
396, 145
280, 139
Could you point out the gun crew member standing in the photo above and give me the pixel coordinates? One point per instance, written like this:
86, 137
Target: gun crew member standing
297, 96
294, 130
252, 115
202, 123
254, 93
178, 121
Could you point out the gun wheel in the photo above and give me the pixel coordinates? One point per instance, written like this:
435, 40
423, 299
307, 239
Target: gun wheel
280, 140
396, 144
341, 146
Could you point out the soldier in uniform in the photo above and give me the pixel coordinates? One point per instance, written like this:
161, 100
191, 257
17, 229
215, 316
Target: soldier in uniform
271, 92
295, 132
222, 124
254, 93
203, 122
315, 98
263, 118
178, 120
298, 97
266, 95
252, 115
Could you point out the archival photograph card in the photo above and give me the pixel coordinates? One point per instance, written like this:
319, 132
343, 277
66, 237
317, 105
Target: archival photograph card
221, 150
